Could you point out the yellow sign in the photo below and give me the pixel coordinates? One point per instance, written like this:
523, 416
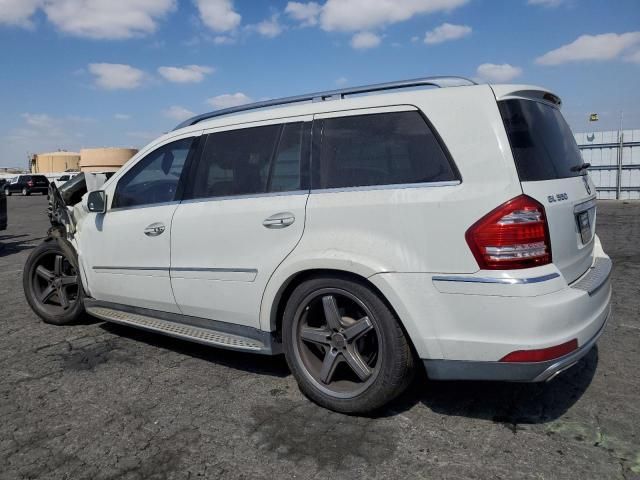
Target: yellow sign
593, 117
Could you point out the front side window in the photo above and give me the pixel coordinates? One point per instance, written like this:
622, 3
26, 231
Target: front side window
154, 179
249, 161
379, 149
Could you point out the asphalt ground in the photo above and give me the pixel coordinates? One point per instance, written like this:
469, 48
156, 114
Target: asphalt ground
101, 401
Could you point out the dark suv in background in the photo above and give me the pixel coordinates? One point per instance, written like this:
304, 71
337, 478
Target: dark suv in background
27, 184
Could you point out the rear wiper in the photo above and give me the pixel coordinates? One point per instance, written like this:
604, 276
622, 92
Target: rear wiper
579, 168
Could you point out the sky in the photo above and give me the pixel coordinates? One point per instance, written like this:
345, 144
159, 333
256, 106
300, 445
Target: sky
90, 73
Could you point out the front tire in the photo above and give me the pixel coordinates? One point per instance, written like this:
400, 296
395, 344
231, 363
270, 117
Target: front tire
344, 345
52, 284
7, 192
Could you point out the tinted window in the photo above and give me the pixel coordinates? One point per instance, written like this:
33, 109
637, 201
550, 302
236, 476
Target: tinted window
236, 162
379, 149
541, 141
285, 174
40, 179
154, 179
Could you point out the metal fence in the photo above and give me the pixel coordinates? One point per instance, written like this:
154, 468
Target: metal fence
615, 162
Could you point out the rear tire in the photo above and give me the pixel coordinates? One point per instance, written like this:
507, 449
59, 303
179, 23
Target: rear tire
7, 192
25, 192
345, 346
52, 284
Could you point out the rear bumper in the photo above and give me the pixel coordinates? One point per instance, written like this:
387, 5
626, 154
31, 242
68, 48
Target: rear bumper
509, 372
462, 325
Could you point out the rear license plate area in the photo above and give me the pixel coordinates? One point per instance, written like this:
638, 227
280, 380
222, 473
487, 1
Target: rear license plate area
583, 220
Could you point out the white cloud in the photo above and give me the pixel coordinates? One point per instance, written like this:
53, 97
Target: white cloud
39, 120
114, 76
446, 32
342, 81
364, 40
633, 57
223, 40
546, 3
229, 100
498, 73
218, 15
186, 74
18, 12
357, 15
122, 116
606, 46
306, 13
269, 28
178, 113
112, 19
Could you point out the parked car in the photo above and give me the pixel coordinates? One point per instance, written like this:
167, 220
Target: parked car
3, 208
27, 184
358, 234
61, 180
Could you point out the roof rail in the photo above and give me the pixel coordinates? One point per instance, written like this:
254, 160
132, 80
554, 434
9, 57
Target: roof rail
440, 82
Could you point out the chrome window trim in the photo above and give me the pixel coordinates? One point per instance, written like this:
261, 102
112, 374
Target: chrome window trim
396, 186
148, 205
245, 196
495, 280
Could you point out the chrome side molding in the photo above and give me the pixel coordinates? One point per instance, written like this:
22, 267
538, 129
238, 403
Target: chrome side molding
498, 280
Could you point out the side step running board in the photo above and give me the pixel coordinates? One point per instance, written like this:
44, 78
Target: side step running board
204, 336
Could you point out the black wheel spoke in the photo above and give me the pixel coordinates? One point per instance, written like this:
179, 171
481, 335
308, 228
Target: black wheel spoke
47, 293
66, 280
62, 297
316, 335
358, 329
57, 266
331, 312
45, 273
329, 365
357, 364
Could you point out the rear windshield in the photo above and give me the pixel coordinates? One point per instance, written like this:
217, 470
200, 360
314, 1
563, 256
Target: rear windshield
39, 178
541, 140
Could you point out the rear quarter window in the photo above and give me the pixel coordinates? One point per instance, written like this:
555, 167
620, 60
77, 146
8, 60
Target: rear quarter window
542, 143
379, 149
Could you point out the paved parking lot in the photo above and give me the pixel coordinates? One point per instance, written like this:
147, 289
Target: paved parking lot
100, 401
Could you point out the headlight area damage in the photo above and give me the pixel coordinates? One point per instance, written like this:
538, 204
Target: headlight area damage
51, 276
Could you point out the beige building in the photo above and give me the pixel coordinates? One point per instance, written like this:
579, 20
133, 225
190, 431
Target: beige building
55, 162
104, 159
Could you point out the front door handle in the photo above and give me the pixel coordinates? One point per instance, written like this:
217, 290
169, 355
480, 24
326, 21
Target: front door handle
279, 220
154, 229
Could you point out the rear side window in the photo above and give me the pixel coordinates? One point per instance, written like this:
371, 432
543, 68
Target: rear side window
541, 141
250, 161
379, 149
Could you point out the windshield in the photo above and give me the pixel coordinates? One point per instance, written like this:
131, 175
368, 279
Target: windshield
542, 143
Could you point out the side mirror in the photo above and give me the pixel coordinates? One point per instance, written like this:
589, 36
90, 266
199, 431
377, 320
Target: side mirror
97, 201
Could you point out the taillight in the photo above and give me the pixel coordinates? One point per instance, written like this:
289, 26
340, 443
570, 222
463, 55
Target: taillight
514, 235
541, 354
30, 183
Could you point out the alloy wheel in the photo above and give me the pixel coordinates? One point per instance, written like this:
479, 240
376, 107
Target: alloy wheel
55, 283
337, 342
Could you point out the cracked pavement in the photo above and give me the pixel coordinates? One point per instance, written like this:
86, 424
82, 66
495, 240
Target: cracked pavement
103, 401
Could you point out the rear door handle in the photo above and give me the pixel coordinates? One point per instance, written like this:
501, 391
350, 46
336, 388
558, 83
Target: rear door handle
279, 220
154, 229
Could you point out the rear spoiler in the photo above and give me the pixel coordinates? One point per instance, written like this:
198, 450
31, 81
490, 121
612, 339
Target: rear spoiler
530, 92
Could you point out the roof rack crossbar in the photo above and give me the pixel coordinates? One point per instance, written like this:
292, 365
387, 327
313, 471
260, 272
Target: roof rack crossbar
440, 82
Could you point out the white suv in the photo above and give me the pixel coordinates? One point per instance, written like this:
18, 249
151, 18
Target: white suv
359, 234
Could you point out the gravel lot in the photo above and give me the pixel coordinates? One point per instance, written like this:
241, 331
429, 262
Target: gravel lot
100, 401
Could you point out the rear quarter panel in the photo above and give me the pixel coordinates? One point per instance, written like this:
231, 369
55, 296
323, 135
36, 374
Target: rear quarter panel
419, 228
